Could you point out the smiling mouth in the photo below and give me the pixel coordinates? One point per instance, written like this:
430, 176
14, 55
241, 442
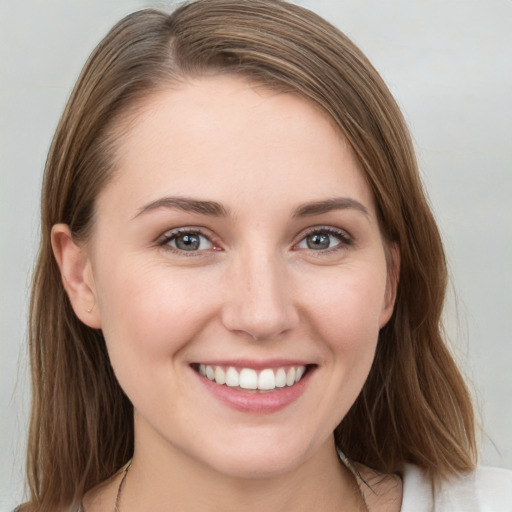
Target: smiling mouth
248, 379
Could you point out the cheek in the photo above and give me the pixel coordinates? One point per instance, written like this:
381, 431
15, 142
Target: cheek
348, 307
149, 314
344, 313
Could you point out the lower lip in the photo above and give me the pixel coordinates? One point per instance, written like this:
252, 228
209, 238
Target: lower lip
257, 402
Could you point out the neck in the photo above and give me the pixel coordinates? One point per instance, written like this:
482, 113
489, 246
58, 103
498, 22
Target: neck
164, 478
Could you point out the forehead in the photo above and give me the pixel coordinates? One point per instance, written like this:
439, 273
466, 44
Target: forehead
224, 134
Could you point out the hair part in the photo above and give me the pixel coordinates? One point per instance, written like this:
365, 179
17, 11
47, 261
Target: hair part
414, 406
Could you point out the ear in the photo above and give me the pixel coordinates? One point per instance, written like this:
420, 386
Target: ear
393, 257
76, 273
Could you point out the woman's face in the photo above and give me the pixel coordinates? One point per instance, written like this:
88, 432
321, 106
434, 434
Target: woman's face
239, 240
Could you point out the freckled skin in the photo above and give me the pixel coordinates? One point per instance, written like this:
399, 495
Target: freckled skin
253, 290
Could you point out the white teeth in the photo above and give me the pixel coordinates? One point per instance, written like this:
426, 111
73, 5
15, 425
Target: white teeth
266, 380
290, 377
220, 376
280, 378
232, 378
248, 378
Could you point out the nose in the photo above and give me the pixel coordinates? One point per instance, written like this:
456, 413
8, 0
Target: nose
260, 302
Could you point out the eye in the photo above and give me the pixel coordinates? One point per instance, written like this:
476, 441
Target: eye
187, 240
323, 239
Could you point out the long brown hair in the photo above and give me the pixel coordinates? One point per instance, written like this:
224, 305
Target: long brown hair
414, 406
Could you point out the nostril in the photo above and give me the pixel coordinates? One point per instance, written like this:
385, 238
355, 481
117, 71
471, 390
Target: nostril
259, 325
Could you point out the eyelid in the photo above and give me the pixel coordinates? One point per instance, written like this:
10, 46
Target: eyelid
164, 239
346, 239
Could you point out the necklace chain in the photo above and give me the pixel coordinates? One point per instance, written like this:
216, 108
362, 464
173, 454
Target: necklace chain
121, 484
343, 458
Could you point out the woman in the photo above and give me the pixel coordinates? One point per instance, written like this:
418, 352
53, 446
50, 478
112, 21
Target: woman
240, 282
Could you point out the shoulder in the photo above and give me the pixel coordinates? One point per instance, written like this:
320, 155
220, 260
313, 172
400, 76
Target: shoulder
484, 490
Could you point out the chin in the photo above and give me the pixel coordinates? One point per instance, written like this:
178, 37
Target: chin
257, 459
255, 468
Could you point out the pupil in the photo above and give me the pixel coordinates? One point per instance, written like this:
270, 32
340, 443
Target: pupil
318, 241
187, 242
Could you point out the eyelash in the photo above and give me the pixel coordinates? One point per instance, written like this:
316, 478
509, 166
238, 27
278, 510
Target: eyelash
169, 237
345, 240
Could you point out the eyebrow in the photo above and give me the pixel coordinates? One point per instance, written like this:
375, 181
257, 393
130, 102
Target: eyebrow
215, 209
186, 204
328, 205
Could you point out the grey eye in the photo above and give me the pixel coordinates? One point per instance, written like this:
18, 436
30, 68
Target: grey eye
189, 242
320, 241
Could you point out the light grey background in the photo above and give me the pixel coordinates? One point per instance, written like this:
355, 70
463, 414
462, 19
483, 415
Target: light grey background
449, 64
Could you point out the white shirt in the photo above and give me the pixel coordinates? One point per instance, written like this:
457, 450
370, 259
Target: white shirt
484, 490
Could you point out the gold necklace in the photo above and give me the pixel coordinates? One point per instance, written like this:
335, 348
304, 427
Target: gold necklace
120, 488
342, 457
